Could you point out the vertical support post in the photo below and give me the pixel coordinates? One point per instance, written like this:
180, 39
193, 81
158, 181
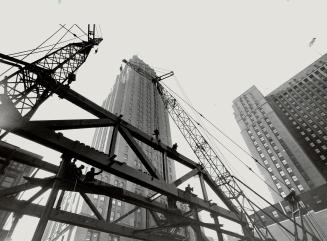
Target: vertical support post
198, 230
58, 206
113, 141
16, 218
304, 232
203, 187
147, 218
50, 202
246, 228
165, 166
263, 222
219, 234
109, 210
296, 235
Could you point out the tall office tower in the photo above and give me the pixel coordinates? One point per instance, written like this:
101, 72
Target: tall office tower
137, 100
287, 130
12, 174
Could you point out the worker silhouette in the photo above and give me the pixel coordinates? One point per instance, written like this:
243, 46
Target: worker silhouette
79, 172
89, 176
189, 189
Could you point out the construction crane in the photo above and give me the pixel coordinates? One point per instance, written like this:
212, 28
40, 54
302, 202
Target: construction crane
230, 192
29, 86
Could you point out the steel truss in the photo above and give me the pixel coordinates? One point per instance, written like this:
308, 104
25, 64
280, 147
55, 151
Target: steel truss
228, 187
32, 85
46, 133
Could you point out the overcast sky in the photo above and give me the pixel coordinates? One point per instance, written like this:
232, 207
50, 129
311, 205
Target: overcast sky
217, 49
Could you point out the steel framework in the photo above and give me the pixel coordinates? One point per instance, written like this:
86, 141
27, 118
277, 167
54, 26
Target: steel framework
32, 85
227, 185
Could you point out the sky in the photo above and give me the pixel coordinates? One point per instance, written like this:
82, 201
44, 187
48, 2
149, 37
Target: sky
217, 50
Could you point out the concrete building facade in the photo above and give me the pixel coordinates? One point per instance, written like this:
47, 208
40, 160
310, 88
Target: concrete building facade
12, 174
137, 100
286, 131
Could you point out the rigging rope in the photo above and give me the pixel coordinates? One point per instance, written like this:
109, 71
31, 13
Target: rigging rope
34, 50
204, 129
225, 147
25, 51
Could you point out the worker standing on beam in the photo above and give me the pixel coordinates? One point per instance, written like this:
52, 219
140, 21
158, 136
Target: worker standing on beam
89, 176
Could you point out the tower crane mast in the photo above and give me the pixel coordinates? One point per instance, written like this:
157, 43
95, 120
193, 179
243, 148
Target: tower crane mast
229, 190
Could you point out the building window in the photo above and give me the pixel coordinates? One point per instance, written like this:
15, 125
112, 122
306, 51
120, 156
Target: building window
300, 187
275, 214
7, 182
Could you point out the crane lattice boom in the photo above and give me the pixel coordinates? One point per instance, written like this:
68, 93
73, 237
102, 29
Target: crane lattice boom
231, 193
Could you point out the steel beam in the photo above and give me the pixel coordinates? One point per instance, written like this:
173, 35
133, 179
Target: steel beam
100, 160
186, 176
74, 124
139, 153
100, 112
44, 218
17, 189
92, 206
78, 220
25, 157
111, 191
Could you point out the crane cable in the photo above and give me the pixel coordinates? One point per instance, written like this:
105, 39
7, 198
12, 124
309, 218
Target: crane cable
21, 53
282, 181
33, 50
69, 30
261, 209
314, 223
236, 157
273, 189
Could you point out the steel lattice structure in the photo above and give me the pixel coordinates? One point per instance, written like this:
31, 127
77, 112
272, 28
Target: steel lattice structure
34, 82
226, 184
39, 80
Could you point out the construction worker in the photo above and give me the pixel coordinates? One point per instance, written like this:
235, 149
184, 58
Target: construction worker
89, 176
79, 171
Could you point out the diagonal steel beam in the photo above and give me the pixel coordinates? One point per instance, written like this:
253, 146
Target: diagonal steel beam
17, 189
26, 157
139, 153
74, 124
186, 176
125, 215
79, 220
101, 160
92, 206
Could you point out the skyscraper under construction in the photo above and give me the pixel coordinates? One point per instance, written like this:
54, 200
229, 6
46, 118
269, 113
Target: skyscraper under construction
287, 129
137, 100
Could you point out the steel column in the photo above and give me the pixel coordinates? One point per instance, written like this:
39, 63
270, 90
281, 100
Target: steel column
50, 202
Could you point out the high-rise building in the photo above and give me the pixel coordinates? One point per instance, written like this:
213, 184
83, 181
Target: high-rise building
287, 130
12, 174
137, 100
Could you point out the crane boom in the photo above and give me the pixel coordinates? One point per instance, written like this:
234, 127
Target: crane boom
33, 83
230, 192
